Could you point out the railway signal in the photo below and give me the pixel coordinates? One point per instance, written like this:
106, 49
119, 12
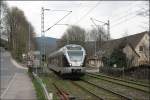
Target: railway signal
43, 57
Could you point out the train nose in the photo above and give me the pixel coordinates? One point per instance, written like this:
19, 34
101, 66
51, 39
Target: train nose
76, 63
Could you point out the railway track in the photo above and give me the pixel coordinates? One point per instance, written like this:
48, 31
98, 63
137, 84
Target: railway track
87, 88
61, 93
65, 90
139, 87
123, 80
83, 88
121, 96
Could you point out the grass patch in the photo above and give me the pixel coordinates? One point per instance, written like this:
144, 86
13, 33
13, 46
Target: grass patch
38, 88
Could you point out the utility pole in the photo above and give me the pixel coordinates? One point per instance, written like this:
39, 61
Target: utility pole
30, 60
29, 55
29, 39
43, 48
108, 29
100, 35
67, 39
104, 23
43, 38
42, 35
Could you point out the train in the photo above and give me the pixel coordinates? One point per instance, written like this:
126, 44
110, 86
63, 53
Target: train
68, 61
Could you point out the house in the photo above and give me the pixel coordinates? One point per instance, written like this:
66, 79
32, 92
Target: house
95, 61
135, 47
140, 43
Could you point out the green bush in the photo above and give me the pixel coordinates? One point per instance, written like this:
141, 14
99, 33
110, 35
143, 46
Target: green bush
119, 58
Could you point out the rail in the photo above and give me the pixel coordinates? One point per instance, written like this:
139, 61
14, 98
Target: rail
123, 80
62, 94
100, 98
114, 81
120, 95
43, 86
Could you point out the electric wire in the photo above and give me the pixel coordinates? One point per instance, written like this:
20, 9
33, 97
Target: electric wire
128, 14
125, 20
129, 9
89, 11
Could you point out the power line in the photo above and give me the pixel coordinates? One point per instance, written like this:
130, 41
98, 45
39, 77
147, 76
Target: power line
69, 12
123, 21
126, 16
86, 5
88, 12
129, 9
129, 18
128, 13
72, 5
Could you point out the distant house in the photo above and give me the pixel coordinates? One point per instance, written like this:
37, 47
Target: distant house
136, 48
96, 60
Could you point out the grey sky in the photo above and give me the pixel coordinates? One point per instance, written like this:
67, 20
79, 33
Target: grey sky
100, 10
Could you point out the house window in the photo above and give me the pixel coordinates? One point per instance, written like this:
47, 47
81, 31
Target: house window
141, 48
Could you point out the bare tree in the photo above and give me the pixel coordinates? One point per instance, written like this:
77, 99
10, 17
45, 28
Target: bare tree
18, 32
73, 35
3, 13
98, 35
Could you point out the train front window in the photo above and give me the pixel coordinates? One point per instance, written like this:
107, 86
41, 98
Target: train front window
75, 55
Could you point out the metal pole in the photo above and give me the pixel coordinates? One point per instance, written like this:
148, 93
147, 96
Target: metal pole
42, 34
43, 49
67, 38
29, 38
29, 58
108, 29
97, 33
42, 30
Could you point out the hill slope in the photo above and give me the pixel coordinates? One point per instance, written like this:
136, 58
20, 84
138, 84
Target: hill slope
49, 42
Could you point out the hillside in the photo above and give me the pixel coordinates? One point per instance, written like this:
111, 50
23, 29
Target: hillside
49, 41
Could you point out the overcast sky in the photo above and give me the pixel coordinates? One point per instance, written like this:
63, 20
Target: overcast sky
122, 15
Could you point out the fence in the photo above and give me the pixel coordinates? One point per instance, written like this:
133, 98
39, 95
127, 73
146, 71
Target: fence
141, 71
48, 97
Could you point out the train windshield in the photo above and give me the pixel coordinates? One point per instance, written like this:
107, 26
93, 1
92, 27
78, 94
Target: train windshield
75, 55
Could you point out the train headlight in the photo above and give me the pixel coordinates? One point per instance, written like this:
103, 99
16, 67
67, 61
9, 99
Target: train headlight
70, 64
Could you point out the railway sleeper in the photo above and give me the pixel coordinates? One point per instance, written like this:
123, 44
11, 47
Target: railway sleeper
121, 95
119, 83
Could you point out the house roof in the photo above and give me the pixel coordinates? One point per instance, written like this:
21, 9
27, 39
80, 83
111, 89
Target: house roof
135, 39
132, 40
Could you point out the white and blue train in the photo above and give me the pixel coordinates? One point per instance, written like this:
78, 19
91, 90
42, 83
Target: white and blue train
68, 60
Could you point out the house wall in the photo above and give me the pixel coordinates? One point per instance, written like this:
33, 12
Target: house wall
95, 62
131, 55
144, 55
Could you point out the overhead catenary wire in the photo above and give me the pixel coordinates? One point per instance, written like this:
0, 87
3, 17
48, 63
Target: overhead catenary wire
128, 9
128, 14
73, 4
58, 21
125, 16
88, 12
121, 22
